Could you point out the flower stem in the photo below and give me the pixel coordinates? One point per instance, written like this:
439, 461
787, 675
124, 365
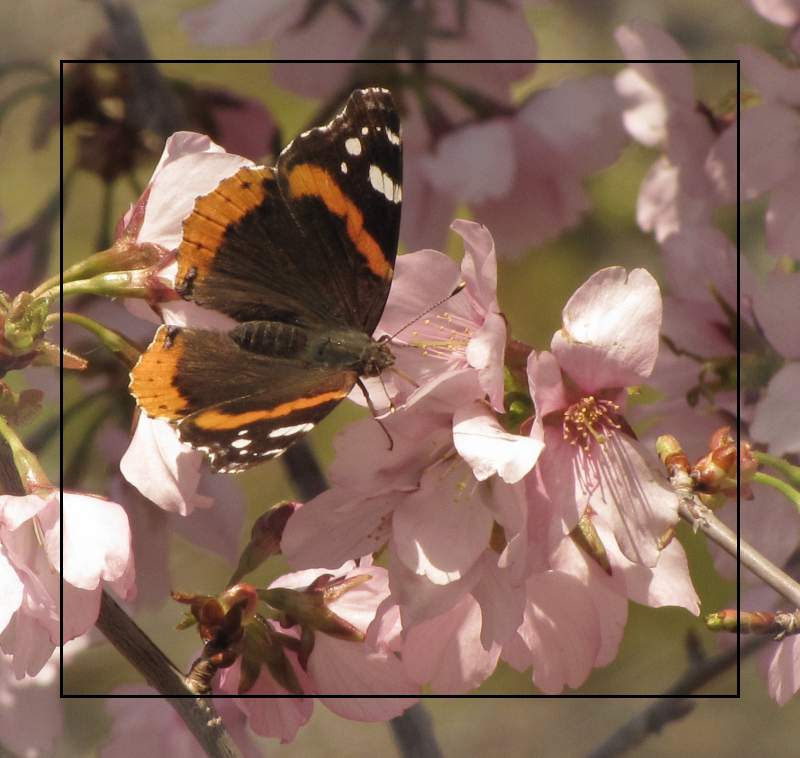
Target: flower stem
127, 352
783, 487
29, 473
791, 472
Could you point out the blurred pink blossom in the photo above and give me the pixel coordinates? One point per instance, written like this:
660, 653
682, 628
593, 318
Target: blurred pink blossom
32, 718
681, 190
770, 147
97, 553
776, 420
308, 31
149, 726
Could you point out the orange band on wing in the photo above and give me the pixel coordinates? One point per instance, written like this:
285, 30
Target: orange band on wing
306, 179
213, 213
151, 377
214, 419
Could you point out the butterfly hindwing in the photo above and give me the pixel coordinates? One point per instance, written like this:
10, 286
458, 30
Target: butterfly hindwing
236, 405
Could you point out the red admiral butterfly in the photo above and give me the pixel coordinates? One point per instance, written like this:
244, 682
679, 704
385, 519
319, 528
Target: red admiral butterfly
302, 256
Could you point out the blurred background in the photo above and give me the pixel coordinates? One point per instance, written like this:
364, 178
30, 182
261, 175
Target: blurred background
107, 162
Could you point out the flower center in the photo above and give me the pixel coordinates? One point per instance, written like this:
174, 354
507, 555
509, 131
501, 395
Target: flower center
588, 420
442, 335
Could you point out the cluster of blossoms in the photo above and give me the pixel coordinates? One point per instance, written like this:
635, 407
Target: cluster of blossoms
697, 373
504, 509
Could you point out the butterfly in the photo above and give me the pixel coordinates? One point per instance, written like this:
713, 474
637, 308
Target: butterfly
301, 255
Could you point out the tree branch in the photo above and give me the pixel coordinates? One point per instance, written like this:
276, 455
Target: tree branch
702, 519
197, 713
673, 704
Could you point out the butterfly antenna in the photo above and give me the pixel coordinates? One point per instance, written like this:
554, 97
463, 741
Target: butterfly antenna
374, 412
460, 286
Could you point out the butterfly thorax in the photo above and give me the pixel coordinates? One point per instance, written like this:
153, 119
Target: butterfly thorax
338, 348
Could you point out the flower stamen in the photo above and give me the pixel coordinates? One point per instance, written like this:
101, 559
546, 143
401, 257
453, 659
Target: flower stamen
588, 420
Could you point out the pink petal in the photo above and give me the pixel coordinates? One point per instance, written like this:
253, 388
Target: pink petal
580, 119
278, 717
418, 598
473, 163
517, 220
608, 594
97, 541
494, 31
699, 262
646, 113
339, 667
502, 603
190, 167
336, 526
777, 417
485, 352
421, 279
441, 530
782, 12
616, 481
610, 333
446, 652
545, 383
244, 22
11, 590
488, 449
721, 164
642, 40
770, 148
479, 266
31, 719
560, 634
783, 221
776, 303
783, 669
768, 76
80, 611
426, 212
15, 510
162, 468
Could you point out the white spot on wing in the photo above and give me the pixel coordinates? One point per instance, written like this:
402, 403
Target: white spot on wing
353, 146
288, 431
365, 130
343, 167
393, 138
383, 183
240, 443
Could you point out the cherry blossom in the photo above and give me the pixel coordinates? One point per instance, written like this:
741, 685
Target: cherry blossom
335, 666
609, 341
464, 333
97, 553
436, 505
